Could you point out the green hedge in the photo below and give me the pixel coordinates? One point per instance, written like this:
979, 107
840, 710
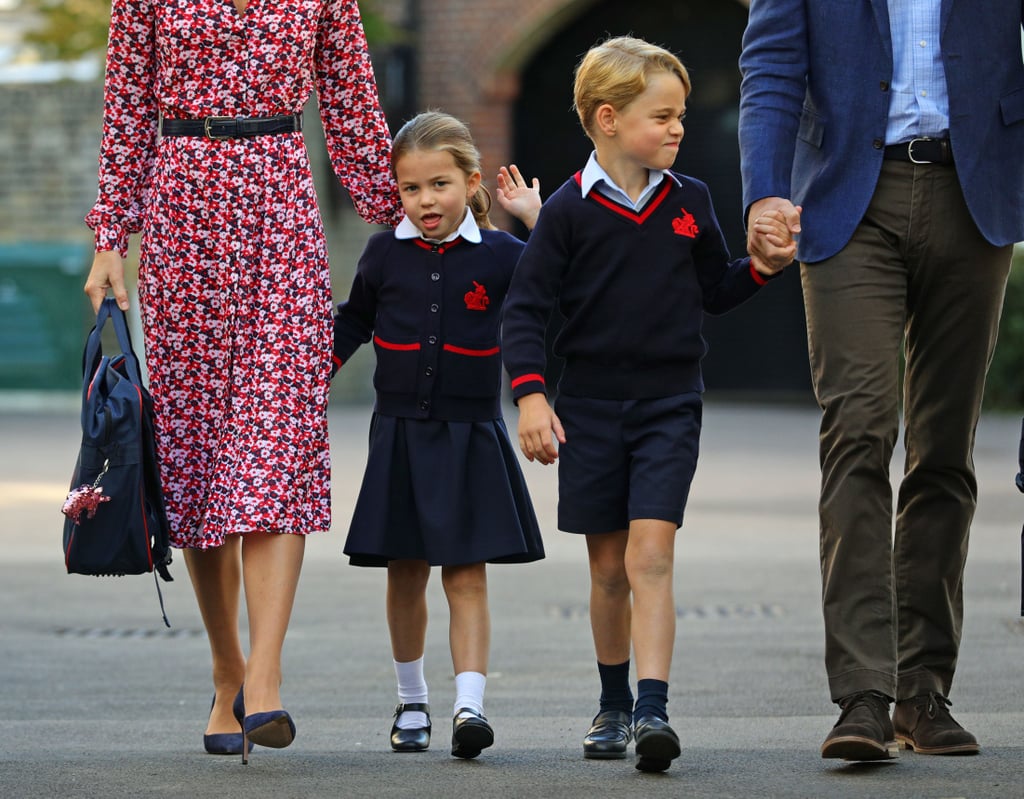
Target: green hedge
1005, 387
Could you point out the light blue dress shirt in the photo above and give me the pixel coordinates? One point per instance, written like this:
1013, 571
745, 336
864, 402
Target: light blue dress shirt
594, 174
919, 101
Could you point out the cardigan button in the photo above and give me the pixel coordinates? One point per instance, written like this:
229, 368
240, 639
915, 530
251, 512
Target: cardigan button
434, 307
431, 339
424, 405
435, 276
428, 371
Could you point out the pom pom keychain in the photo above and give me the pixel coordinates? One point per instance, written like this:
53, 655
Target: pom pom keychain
85, 499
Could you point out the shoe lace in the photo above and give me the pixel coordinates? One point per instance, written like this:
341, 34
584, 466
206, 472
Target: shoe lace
937, 705
875, 702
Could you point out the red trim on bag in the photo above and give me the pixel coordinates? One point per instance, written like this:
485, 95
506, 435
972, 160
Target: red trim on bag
473, 353
527, 379
390, 345
142, 485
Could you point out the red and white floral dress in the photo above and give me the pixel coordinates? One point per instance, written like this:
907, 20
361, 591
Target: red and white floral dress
234, 283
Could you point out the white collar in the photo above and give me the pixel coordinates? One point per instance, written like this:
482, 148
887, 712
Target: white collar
594, 172
468, 230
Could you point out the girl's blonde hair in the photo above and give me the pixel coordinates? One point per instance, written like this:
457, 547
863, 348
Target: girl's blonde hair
434, 130
616, 72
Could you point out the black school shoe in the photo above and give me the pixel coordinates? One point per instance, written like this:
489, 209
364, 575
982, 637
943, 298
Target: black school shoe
608, 736
923, 723
657, 744
471, 734
410, 740
864, 730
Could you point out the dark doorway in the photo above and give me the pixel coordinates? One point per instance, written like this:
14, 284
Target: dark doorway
759, 348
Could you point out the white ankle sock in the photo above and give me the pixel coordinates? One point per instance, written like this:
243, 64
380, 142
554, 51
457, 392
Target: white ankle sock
469, 691
412, 687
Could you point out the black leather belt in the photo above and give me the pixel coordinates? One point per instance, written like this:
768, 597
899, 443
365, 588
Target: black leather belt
232, 127
921, 151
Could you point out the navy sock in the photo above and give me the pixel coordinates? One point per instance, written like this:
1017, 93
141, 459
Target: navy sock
651, 699
615, 691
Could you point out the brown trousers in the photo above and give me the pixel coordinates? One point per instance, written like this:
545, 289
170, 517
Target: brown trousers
917, 274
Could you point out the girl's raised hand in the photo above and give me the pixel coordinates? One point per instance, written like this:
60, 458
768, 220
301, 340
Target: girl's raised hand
516, 197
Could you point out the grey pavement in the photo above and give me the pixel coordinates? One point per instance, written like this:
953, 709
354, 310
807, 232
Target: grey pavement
98, 699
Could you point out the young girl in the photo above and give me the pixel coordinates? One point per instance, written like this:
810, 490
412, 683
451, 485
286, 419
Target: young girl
442, 485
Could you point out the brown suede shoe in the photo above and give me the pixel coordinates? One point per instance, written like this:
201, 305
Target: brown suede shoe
924, 724
863, 731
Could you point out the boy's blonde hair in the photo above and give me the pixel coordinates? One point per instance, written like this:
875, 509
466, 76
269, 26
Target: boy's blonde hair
616, 72
434, 130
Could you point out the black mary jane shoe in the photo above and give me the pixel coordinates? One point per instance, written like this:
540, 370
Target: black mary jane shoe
608, 736
657, 744
470, 734
416, 739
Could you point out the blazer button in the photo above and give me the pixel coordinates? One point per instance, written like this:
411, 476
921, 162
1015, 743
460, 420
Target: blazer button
884, 85
878, 144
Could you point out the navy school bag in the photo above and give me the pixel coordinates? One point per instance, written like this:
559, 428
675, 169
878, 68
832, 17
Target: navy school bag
115, 520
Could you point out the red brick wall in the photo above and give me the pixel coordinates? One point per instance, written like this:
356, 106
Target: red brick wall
469, 54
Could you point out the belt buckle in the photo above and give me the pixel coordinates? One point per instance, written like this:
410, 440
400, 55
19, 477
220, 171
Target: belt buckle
206, 128
910, 149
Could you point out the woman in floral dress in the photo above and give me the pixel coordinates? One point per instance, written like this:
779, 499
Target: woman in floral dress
202, 152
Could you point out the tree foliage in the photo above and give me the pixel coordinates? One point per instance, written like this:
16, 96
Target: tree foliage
71, 29
68, 29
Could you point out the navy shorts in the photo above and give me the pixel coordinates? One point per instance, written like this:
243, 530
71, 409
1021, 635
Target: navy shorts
626, 459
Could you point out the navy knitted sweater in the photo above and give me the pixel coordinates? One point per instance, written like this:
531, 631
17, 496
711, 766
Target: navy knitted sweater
632, 288
434, 313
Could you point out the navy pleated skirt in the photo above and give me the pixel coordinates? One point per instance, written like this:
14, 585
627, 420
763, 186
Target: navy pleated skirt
449, 493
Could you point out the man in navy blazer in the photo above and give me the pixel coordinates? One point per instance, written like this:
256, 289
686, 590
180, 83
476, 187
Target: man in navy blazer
898, 128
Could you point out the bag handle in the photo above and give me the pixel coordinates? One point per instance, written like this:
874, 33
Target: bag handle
94, 347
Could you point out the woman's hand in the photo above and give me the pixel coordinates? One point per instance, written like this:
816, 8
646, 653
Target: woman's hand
107, 273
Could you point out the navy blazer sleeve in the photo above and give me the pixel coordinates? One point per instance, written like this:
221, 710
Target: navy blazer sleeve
774, 64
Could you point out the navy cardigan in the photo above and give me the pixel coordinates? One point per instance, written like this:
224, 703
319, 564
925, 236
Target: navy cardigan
632, 287
434, 313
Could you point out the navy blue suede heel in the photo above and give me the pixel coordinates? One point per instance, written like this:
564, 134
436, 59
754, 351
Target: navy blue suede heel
273, 728
222, 743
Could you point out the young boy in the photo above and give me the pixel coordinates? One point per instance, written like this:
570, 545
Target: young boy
634, 256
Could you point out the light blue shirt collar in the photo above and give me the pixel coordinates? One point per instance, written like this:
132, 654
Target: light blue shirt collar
468, 230
594, 175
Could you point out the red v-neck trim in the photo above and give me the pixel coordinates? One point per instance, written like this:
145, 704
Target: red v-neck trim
622, 210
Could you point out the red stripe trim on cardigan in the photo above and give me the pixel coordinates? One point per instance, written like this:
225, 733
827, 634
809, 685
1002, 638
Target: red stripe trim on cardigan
758, 277
527, 379
474, 353
611, 205
390, 345
447, 245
